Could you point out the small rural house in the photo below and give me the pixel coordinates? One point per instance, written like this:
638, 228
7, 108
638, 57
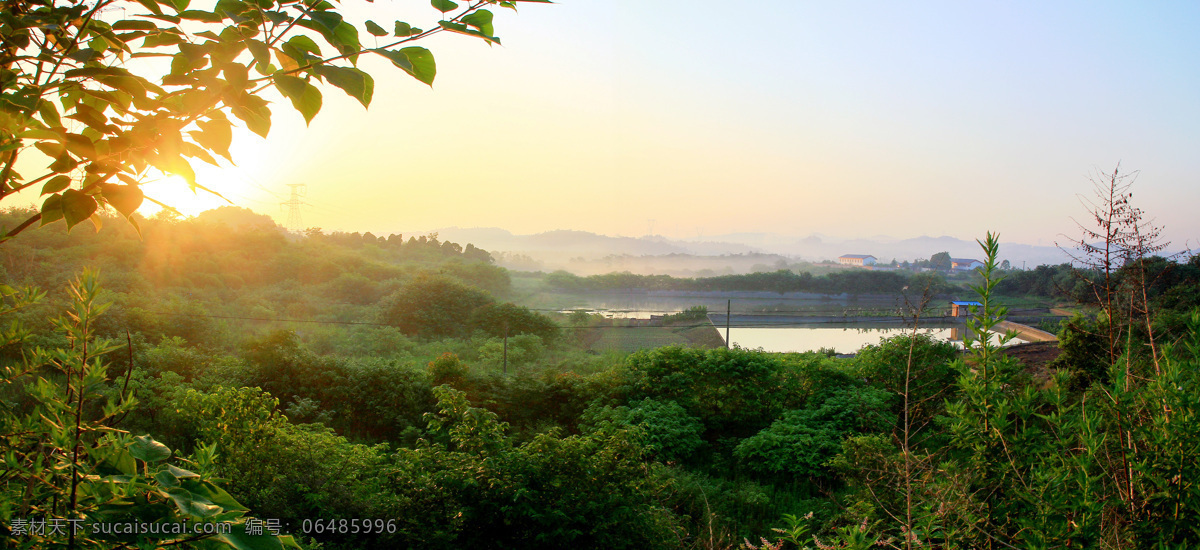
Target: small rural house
963, 264
856, 259
962, 308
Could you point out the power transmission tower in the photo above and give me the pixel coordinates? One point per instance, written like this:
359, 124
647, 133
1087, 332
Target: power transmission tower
294, 223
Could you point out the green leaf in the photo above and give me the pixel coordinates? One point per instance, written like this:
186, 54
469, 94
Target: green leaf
305, 97
289, 59
172, 163
481, 20
123, 461
191, 504
237, 75
304, 44
52, 149
97, 222
355, 83
346, 40
145, 447
52, 210
134, 25
56, 184
163, 17
80, 146
150, 5
83, 55
92, 72
126, 199
201, 15
414, 60
337, 32
235, 10
91, 117
215, 135
76, 207
63, 164
375, 29
177, 5
252, 110
49, 114
258, 120
180, 65
276, 17
403, 29
181, 473
238, 539
97, 170
165, 479
260, 51
191, 150
444, 5
197, 52
132, 85
463, 29
162, 39
209, 492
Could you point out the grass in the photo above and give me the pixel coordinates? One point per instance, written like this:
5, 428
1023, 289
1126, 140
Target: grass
633, 338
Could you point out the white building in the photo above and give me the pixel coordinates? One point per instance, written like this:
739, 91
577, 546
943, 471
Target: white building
856, 259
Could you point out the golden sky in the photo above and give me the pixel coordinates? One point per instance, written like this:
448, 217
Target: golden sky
699, 118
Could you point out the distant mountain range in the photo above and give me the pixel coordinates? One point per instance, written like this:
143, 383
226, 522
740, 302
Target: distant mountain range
581, 251
885, 249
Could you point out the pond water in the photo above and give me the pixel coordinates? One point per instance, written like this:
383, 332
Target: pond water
621, 313
810, 322
845, 338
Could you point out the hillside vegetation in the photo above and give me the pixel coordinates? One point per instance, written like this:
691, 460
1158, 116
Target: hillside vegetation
241, 372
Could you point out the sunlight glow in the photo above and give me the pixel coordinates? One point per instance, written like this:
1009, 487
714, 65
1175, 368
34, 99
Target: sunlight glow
173, 192
231, 185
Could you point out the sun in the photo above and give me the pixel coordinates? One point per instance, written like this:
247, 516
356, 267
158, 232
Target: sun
173, 191
247, 184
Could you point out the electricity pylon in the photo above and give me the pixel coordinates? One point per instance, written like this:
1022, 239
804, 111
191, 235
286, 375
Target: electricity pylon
294, 223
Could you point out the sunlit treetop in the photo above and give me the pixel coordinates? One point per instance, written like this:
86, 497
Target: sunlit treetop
99, 105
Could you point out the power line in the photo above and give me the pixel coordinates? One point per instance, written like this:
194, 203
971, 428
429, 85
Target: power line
266, 319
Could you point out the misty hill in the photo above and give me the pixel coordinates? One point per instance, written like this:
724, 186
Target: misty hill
584, 253
585, 244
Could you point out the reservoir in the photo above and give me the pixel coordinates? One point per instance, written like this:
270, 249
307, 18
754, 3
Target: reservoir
843, 338
773, 322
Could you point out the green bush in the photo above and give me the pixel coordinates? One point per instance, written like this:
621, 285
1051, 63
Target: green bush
734, 392
801, 442
433, 306
447, 369
663, 428
508, 319
472, 486
526, 349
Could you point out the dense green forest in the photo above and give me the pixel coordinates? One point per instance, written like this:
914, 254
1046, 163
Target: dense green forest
354, 391
852, 281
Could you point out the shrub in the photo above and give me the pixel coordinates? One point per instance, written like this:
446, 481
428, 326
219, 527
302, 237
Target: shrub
433, 306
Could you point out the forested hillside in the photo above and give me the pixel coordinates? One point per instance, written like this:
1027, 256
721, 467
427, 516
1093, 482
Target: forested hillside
852, 281
367, 392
